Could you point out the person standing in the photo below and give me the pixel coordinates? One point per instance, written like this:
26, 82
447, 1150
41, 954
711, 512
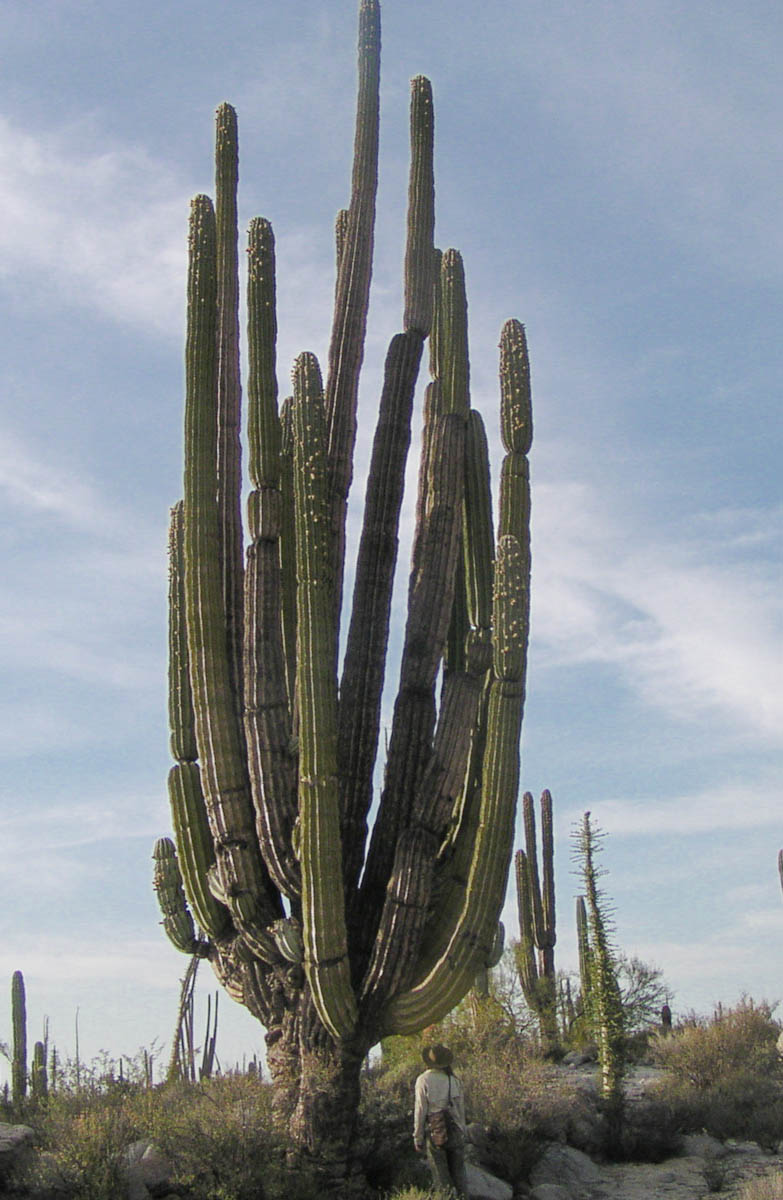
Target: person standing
439, 1091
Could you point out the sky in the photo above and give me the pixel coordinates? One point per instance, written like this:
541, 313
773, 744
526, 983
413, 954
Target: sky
611, 173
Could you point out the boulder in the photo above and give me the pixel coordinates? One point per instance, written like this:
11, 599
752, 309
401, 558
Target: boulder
16, 1142
550, 1191
483, 1186
703, 1145
148, 1170
569, 1169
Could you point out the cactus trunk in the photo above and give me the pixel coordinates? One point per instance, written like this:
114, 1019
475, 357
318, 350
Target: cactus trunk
331, 934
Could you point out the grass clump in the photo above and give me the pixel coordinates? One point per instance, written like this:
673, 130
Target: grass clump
767, 1187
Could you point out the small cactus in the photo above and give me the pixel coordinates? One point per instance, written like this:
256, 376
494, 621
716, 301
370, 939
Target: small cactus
39, 1084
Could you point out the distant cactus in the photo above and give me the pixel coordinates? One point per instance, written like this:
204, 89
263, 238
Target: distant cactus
536, 905
19, 1049
39, 1084
330, 936
583, 948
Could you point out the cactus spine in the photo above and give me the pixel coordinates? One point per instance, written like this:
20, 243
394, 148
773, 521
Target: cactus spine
19, 1027
536, 905
331, 936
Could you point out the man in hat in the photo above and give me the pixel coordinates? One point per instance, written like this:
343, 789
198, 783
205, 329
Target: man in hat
439, 1090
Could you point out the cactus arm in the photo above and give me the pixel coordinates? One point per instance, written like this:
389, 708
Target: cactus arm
419, 249
252, 898
473, 931
516, 407
451, 348
267, 717
364, 666
363, 674
526, 958
340, 234
547, 882
186, 798
167, 882
534, 890
19, 1029
288, 548
583, 946
229, 395
182, 721
429, 608
430, 592
346, 349
323, 915
479, 535
38, 1076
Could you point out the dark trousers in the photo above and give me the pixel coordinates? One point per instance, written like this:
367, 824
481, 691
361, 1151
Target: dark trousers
447, 1167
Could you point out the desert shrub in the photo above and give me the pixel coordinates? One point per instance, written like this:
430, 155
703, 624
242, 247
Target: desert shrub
724, 1074
220, 1136
84, 1139
385, 1134
705, 1053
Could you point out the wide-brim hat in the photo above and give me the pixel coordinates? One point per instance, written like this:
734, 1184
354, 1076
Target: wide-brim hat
437, 1055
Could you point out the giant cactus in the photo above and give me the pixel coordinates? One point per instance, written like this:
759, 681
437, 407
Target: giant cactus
536, 905
333, 936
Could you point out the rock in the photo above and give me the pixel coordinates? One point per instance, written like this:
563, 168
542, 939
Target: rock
478, 1137
703, 1145
568, 1168
736, 1147
149, 1171
550, 1191
578, 1058
51, 1180
16, 1142
483, 1186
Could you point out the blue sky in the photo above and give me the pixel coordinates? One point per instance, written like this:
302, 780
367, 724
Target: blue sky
611, 173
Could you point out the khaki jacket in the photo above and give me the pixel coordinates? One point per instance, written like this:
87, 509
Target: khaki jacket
432, 1092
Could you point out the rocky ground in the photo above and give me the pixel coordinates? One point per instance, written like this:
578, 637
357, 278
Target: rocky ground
703, 1167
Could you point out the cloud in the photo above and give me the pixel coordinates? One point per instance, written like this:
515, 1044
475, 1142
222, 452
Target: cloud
102, 229
690, 623
709, 810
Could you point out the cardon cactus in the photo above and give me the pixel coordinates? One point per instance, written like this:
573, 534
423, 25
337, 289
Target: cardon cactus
19, 1048
536, 905
331, 935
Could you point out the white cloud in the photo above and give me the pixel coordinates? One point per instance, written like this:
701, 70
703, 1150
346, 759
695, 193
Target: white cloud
688, 628
736, 806
103, 229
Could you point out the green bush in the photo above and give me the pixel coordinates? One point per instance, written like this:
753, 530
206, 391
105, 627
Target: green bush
724, 1074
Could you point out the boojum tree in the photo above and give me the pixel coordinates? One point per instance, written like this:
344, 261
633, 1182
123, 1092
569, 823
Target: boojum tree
331, 933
